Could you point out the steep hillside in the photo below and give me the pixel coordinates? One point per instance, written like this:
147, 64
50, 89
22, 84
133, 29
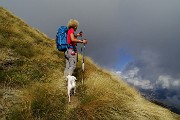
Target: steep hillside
32, 84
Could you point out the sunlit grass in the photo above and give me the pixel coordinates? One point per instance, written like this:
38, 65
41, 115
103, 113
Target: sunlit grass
30, 63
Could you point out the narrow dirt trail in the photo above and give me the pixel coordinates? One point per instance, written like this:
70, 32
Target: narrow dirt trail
74, 99
74, 102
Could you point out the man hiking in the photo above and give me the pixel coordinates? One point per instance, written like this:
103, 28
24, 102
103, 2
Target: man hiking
71, 52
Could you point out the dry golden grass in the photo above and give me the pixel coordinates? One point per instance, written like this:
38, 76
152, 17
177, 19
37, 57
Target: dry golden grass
30, 63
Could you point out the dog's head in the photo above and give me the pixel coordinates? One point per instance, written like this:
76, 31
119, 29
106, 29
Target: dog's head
69, 77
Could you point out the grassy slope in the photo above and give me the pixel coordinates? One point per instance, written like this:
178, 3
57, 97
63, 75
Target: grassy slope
32, 86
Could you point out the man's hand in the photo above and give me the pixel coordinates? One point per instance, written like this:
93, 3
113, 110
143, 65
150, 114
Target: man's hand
85, 41
79, 34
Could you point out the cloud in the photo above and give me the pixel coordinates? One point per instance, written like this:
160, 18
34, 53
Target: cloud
138, 76
164, 81
167, 82
131, 76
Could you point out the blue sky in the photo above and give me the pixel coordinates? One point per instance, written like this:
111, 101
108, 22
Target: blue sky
123, 60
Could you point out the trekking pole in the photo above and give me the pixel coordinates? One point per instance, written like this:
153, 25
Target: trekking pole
83, 65
77, 54
82, 52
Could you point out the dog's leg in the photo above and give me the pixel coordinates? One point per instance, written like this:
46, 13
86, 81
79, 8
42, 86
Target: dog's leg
69, 99
74, 90
69, 95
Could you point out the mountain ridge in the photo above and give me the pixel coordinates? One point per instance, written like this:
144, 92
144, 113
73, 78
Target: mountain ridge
32, 84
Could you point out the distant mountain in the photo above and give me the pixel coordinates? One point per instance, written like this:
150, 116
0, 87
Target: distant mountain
159, 96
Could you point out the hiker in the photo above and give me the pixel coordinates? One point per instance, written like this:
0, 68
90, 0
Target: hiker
71, 52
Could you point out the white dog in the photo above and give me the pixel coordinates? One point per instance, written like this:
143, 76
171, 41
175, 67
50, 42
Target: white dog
71, 85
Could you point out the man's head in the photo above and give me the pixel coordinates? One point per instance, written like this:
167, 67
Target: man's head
73, 24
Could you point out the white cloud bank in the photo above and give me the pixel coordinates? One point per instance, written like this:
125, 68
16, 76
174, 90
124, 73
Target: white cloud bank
167, 82
132, 77
163, 81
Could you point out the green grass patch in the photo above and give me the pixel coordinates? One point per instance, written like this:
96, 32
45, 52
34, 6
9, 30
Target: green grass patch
48, 105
